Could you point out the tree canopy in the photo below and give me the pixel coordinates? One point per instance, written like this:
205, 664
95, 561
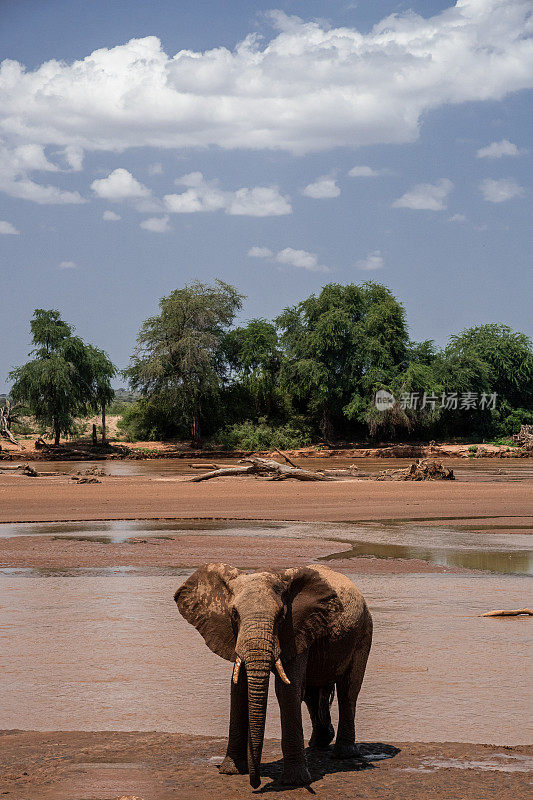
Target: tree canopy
178, 362
339, 347
313, 373
65, 378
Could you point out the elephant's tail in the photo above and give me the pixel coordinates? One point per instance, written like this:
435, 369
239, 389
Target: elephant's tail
325, 699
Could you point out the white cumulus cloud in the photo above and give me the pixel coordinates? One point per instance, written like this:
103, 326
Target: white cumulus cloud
426, 196
17, 164
260, 252
323, 188
8, 228
370, 88
365, 172
500, 190
111, 216
302, 259
73, 154
156, 224
119, 185
499, 149
203, 195
68, 265
374, 260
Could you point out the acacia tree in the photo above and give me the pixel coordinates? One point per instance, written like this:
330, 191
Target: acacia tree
340, 346
102, 372
66, 378
254, 357
178, 362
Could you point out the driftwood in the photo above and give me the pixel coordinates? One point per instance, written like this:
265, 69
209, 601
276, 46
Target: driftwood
525, 437
512, 613
422, 470
204, 466
266, 467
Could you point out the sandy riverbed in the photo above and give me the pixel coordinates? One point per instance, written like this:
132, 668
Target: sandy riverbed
169, 766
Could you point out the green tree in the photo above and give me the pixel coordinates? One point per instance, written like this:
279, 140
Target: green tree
66, 378
102, 371
489, 359
178, 362
254, 358
340, 347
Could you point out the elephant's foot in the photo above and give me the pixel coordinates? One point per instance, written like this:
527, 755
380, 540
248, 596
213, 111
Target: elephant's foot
233, 766
344, 750
322, 738
295, 775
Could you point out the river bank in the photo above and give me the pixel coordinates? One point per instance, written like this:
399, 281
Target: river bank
155, 766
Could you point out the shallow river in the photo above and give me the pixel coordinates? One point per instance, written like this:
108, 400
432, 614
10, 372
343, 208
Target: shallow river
471, 469
459, 546
113, 653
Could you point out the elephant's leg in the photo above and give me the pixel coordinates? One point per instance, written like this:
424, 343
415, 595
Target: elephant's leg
348, 687
317, 700
236, 759
290, 696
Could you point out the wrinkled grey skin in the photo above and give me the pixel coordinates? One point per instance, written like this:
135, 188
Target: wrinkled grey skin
317, 622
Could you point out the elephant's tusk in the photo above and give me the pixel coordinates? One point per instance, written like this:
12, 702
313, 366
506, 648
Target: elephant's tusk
236, 669
281, 671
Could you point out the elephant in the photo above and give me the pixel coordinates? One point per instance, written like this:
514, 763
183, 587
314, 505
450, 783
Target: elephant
308, 625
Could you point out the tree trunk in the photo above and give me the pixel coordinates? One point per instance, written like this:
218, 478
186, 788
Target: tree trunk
104, 436
57, 432
195, 428
95, 435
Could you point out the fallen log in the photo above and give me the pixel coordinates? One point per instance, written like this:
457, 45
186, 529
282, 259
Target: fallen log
266, 467
512, 613
281, 472
219, 473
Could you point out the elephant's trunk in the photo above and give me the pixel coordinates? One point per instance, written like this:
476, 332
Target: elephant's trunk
257, 654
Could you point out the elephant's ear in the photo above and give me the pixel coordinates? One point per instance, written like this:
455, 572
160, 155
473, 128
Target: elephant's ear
312, 604
204, 602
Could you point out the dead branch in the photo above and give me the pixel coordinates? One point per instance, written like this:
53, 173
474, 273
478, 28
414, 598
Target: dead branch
218, 473
287, 459
266, 467
282, 472
6, 418
512, 613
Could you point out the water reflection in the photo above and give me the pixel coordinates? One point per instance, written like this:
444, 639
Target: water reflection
517, 562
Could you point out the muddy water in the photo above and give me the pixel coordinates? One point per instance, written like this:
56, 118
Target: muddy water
113, 653
465, 469
508, 553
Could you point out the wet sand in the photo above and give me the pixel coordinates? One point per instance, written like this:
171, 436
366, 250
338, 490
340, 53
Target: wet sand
41, 499
64, 555
152, 766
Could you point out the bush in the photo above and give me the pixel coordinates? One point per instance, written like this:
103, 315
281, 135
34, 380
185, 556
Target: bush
138, 423
512, 423
260, 436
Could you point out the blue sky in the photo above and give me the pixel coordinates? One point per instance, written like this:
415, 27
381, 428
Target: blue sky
127, 170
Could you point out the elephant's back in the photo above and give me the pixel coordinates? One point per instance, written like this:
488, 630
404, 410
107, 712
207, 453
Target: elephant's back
352, 600
350, 630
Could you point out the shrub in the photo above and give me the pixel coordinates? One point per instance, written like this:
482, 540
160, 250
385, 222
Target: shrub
260, 436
